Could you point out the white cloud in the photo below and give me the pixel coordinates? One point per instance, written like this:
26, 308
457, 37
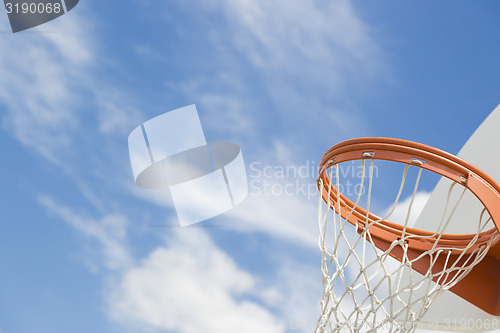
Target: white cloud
284, 217
191, 286
282, 200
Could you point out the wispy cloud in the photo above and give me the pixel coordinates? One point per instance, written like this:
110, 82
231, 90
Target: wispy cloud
328, 38
39, 84
229, 112
109, 233
50, 92
305, 58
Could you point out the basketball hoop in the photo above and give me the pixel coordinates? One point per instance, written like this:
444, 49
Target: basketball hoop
380, 274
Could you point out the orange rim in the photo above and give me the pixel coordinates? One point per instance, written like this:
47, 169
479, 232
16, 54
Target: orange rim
433, 159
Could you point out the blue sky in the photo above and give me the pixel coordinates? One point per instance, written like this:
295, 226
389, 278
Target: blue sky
82, 249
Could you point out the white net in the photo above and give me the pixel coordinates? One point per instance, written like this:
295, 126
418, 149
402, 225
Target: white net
365, 289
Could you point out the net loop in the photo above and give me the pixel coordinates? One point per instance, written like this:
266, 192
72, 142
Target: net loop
384, 276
